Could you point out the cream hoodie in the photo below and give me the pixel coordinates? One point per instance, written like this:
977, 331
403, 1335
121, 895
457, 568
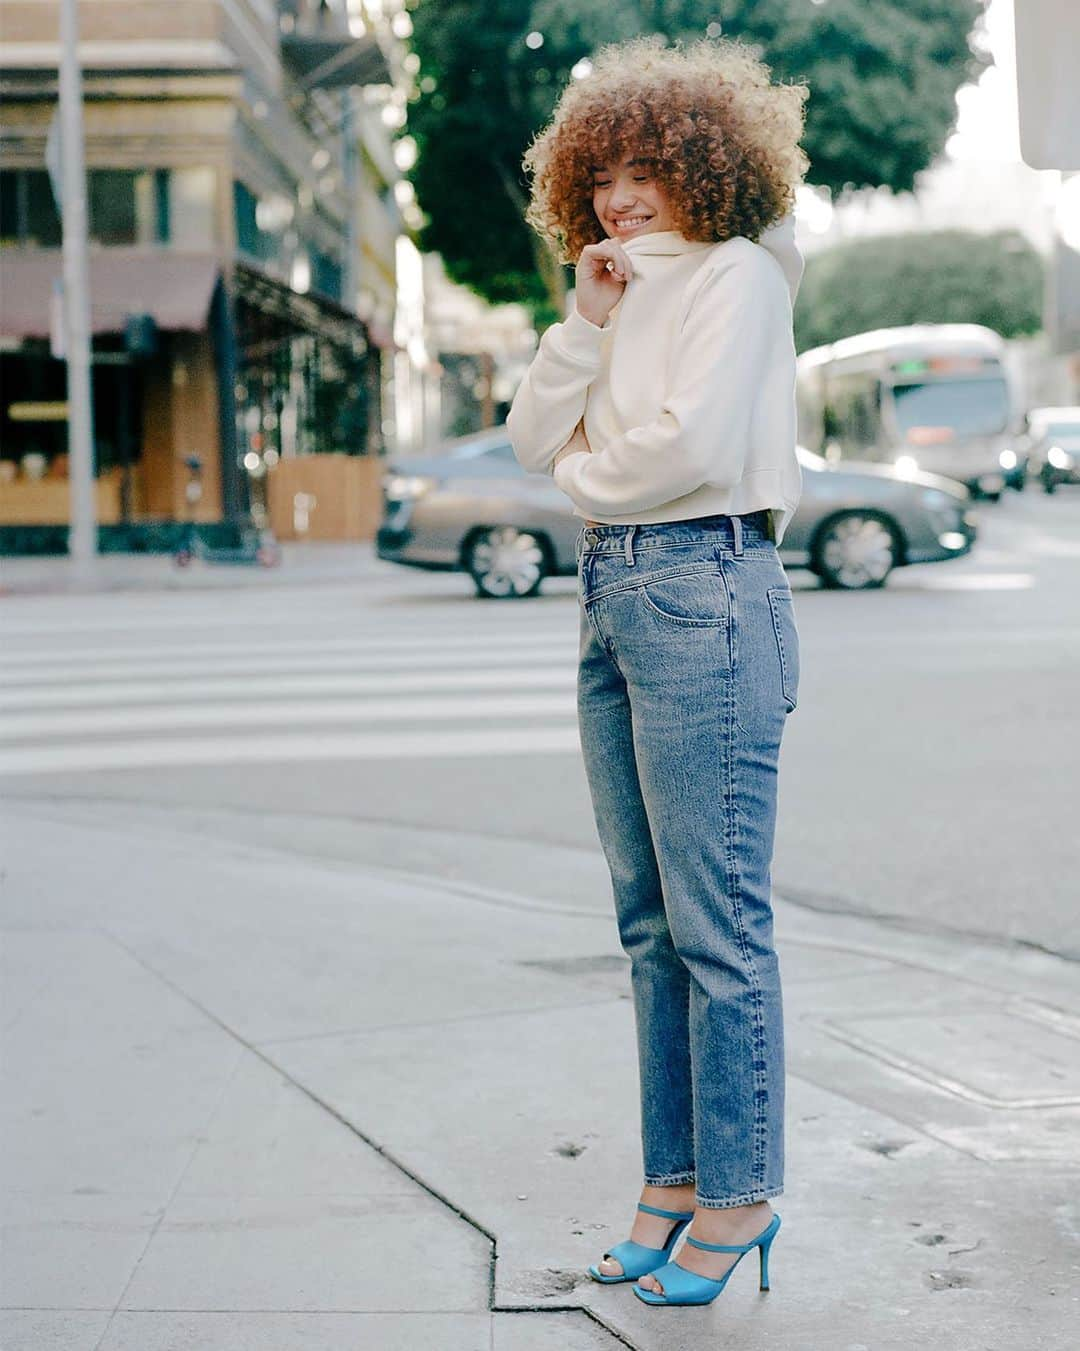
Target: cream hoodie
687, 391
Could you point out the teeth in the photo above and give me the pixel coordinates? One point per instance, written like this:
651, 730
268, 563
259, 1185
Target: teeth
630, 222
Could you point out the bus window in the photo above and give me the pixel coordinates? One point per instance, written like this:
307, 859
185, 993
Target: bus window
962, 407
850, 415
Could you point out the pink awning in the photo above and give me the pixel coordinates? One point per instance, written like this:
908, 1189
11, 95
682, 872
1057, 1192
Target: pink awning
174, 288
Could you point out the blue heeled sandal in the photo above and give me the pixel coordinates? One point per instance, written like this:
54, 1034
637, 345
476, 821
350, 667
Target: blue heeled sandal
635, 1258
687, 1287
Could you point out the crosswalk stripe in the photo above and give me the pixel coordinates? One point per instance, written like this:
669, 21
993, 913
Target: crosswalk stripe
971, 581
96, 616
263, 712
87, 675
260, 749
376, 643
302, 685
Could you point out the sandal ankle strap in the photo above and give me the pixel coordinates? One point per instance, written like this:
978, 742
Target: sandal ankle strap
720, 1247
666, 1214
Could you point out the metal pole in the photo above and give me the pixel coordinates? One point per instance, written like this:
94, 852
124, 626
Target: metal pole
82, 534
351, 188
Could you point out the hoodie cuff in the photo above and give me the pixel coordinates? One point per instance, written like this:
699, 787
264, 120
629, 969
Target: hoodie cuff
580, 340
565, 466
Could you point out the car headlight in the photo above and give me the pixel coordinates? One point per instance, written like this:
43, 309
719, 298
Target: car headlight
1007, 459
906, 465
405, 487
1060, 459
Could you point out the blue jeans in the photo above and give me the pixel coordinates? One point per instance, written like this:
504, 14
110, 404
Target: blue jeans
689, 665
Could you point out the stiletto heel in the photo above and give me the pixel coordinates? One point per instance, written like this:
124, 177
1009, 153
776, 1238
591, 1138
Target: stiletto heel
636, 1259
687, 1287
764, 1253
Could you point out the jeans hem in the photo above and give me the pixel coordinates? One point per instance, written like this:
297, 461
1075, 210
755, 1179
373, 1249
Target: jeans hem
670, 1179
745, 1199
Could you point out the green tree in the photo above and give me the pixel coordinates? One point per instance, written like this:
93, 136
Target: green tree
944, 277
883, 75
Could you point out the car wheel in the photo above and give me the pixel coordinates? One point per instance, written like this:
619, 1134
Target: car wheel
855, 551
506, 563
1049, 483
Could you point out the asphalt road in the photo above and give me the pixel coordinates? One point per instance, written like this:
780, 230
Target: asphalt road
929, 773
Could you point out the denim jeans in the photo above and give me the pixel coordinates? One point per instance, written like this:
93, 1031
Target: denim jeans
689, 666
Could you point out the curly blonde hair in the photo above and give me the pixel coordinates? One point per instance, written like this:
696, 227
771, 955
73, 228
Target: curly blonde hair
722, 140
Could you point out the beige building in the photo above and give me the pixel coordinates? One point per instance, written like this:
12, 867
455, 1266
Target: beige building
245, 214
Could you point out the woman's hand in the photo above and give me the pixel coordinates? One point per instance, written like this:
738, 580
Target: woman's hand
578, 441
600, 279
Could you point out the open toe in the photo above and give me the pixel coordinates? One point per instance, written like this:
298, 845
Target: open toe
635, 1259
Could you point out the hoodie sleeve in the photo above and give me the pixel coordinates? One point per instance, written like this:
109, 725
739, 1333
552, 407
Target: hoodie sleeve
738, 325
779, 240
550, 400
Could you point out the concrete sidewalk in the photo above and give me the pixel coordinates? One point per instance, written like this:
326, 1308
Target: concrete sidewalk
312, 1098
301, 563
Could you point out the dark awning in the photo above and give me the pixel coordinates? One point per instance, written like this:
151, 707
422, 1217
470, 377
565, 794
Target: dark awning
174, 288
328, 61
302, 313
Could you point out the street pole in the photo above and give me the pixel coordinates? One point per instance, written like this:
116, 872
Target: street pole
351, 189
82, 532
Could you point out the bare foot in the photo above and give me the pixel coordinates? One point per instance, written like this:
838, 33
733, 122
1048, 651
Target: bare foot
736, 1224
652, 1230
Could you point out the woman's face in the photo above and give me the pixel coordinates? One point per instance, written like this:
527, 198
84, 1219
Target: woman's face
628, 200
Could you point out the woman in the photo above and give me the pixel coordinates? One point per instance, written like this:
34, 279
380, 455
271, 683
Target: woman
664, 407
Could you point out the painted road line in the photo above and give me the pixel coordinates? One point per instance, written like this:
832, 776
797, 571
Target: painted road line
283, 712
288, 686
291, 748
289, 645
59, 675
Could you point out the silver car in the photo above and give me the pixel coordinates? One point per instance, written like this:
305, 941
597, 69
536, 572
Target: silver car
1053, 446
472, 508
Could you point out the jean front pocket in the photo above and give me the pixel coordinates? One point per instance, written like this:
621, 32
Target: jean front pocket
787, 643
696, 597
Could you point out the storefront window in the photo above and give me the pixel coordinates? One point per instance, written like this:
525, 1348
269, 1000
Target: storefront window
250, 239
125, 206
28, 213
191, 208
326, 274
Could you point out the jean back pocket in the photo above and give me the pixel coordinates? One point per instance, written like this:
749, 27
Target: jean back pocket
787, 643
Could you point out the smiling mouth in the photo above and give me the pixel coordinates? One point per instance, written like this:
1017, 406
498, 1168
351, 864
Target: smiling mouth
630, 222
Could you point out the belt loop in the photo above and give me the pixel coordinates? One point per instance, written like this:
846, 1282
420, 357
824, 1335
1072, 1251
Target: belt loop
629, 550
736, 526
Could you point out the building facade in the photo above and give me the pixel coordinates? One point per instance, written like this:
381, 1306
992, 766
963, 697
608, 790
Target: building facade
245, 214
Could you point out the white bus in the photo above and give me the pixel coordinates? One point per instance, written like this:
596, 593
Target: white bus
932, 397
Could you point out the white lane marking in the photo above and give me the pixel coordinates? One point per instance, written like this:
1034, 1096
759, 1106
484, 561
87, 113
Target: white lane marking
1048, 546
284, 712
288, 644
394, 682
53, 674
974, 581
96, 615
261, 749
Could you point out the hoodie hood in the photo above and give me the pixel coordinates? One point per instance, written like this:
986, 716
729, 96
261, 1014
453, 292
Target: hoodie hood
664, 241
778, 241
